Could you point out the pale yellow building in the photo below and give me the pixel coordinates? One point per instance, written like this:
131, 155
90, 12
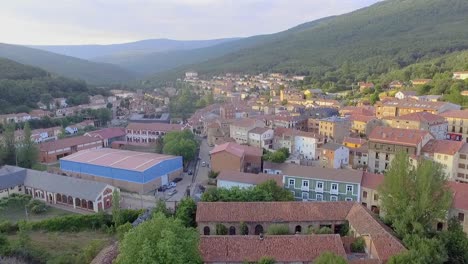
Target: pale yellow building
444, 152
457, 123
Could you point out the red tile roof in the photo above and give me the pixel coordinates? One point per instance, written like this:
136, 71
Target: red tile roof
372, 180
423, 117
236, 212
460, 195
362, 118
155, 127
284, 248
399, 136
238, 150
107, 133
448, 147
364, 223
67, 142
249, 178
456, 114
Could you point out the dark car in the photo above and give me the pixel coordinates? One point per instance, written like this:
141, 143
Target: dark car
162, 188
178, 179
202, 188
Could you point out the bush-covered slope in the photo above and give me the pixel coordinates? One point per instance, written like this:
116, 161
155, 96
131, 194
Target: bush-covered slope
386, 36
92, 72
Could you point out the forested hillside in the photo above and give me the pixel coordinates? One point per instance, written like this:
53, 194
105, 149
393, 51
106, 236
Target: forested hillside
367, 43
92, 72
23, 86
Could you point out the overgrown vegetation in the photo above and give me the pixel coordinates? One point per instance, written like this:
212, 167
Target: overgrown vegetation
278, 229
180, 143
278, 156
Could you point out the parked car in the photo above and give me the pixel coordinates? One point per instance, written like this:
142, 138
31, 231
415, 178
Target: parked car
172, 185
178, 179
203, 164
172, 192
190, 172
202, 188
162, 188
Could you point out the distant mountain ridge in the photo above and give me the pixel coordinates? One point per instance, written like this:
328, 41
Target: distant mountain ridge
388, 35
106, 53
91, 72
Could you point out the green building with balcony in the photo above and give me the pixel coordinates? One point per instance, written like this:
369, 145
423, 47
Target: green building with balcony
318, 184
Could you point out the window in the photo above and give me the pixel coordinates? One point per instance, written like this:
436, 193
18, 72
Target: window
461, 165
364, 194
334, 188
305, 184
319, 186
461, 217
333, 198
348, 199
462, 156
445, 157
292, 183
376, 197
319, 197
305, 196
349, 188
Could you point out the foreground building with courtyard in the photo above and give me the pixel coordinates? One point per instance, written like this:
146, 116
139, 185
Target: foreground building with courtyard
248, 240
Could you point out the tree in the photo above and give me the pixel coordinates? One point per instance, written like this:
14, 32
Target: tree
46, 99
414, 198
275, 192
456, 242
421, 251
374, 98
116, 211
109, 105
180, 143
28, 152
160, 240
186, 211
9, 148
329, 258
162, 208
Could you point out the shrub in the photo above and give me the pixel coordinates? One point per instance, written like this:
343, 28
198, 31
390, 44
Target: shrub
278, 229
243, 229
91, 250
358, 245
213, 174
320, 231
36, 206
130, 215
8, 227
221, 230
4, 245
122, 230
344, 229
73, 223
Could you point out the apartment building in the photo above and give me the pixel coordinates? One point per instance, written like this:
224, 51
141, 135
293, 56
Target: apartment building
369, 194
462, 167
261, 137
444, 152
334, 155
395, 107
385, 142
235, 157
335, 128
363, 124
318, 184
147, 133
435, 124
239, 129
358, 152
303, 144
457, 124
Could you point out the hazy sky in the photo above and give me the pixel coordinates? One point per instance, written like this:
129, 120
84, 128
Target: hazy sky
115, 21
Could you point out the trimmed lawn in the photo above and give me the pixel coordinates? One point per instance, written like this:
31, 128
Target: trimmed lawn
59, 244
16, 213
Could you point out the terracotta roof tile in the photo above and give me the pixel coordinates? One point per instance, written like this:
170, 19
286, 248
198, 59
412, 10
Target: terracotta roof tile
238, 150
460, 194
236, 212
67, 142
371, 180
155, 127
423, 117
456, 114
285, 248
108, 133
400, 136
448, 147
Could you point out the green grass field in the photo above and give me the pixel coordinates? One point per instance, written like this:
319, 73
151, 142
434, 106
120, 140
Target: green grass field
58, 245
16, 213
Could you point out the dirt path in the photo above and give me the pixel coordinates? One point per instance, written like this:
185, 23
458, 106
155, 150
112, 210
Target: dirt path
107, 254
